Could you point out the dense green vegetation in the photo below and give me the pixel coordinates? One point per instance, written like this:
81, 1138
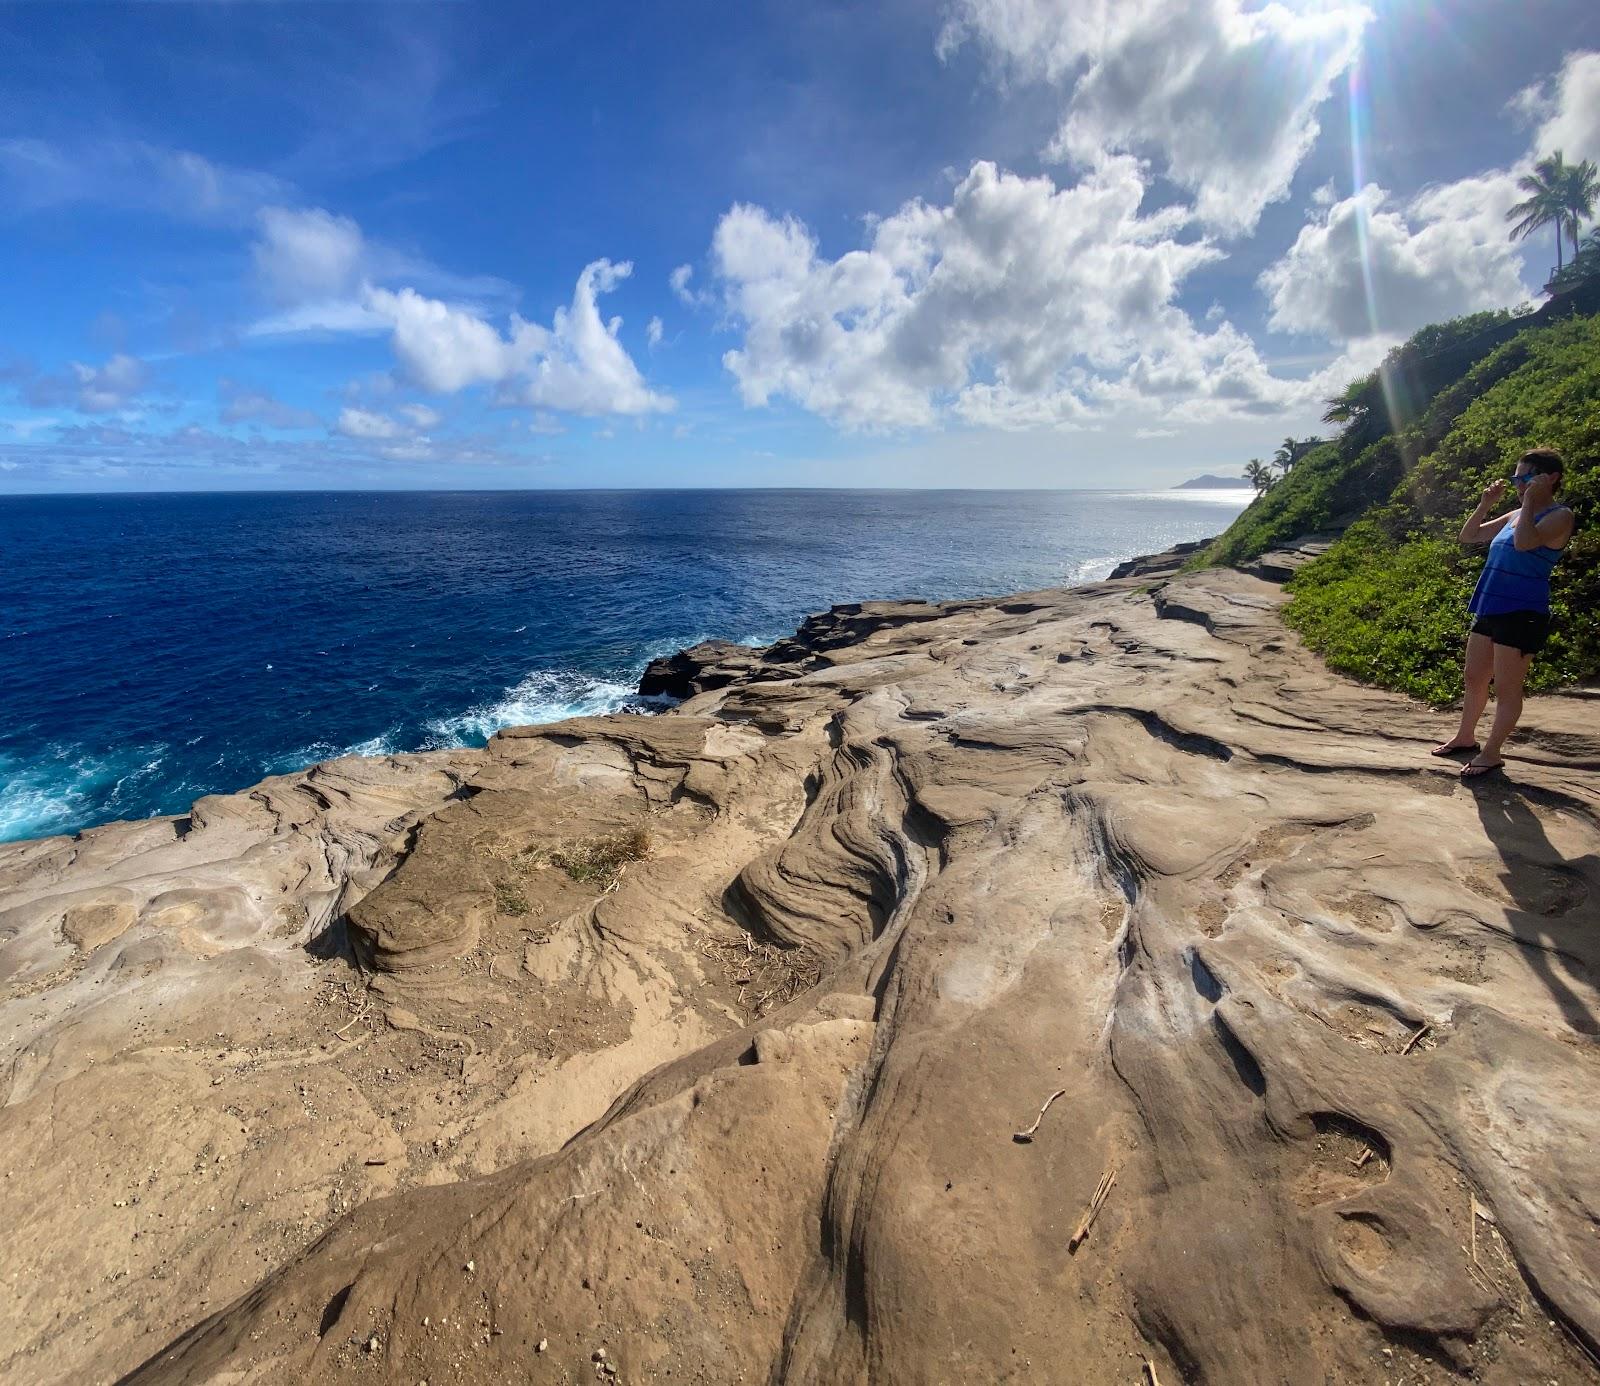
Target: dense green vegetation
1446, 414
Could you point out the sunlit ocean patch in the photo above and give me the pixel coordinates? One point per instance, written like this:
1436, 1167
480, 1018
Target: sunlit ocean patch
1234, 498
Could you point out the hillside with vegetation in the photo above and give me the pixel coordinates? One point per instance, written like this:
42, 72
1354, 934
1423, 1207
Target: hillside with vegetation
1445, 414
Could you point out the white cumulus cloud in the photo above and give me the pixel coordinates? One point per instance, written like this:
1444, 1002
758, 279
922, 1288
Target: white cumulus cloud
1572, 110
681, 283
317, 266
102, 389
576, 365
1367, 267
365, 424
307, 254
421, 416
443, 348
1020, 304
1222, 96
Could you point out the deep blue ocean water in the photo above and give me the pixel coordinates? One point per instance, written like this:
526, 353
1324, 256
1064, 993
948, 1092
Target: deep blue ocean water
156, 648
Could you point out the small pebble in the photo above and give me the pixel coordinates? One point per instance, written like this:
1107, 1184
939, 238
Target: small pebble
472, 1266
544, 1343
599, 1354
372, 1343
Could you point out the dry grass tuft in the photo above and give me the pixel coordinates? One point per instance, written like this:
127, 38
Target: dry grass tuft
767, 976
593, 861
509, 899
600, 860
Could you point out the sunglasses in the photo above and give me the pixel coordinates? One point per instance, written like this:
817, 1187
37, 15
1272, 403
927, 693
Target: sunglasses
1523, 480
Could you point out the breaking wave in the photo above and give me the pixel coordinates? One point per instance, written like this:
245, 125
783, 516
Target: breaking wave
543, 696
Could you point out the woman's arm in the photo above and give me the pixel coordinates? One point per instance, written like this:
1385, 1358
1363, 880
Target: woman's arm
1479, 529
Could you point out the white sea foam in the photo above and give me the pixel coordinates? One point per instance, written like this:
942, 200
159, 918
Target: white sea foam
670, 645
56, 791
380, 745
543, 696
34, 803
1094, 569
384, 744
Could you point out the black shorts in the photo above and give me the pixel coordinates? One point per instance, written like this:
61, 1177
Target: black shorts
1522, 630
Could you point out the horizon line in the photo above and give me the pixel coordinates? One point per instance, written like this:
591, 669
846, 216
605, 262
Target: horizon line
593, 490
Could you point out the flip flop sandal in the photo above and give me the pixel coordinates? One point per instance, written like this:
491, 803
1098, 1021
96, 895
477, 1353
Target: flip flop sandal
1477, 772
1455, 750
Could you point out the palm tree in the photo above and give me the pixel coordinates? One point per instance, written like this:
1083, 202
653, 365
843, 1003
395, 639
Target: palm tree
1546, 187
1259, 475
1580, 187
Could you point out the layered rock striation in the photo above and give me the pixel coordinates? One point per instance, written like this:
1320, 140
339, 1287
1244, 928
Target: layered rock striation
696, 1046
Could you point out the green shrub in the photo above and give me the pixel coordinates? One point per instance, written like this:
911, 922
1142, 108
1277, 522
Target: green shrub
1324, 491
1392, 417
1389, 614
1387, 602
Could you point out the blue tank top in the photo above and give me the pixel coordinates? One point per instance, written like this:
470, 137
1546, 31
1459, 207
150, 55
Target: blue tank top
1514, 579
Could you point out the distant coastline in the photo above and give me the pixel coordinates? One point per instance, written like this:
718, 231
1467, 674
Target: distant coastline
1208, 482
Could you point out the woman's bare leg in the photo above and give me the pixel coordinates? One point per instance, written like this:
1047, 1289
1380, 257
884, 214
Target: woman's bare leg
1479, 670
1510, 673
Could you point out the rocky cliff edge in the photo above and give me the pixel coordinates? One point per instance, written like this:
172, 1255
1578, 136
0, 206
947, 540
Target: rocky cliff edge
1079, 986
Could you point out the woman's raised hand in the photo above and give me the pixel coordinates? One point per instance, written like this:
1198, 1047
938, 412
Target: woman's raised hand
1539, 492
1494, 492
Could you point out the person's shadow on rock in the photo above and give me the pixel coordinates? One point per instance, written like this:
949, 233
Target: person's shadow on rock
1551, 915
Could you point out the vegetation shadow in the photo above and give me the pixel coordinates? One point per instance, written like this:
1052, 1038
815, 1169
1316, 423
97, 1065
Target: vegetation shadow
1548, 895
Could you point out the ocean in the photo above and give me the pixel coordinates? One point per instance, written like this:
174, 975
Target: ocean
154, 648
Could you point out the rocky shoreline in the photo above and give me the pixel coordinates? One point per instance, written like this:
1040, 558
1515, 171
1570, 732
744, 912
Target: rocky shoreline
696, 1046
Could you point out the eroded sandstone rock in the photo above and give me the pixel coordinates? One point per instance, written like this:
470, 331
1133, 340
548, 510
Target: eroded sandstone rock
739, 1103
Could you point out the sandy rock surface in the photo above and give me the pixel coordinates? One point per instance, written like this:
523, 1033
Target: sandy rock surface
693, 1047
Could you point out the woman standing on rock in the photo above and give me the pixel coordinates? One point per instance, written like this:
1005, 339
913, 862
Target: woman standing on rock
1511, 605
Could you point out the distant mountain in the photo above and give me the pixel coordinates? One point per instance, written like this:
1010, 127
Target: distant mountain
1214, 483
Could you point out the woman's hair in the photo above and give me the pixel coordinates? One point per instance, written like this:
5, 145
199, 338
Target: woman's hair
1545, 460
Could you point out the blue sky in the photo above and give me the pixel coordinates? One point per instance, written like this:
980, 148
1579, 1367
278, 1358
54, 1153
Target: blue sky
979, 242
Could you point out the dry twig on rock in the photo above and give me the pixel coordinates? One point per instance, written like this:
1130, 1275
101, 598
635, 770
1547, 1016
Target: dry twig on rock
1024, 1137
1101, 1190
1411, 1043
353, 1019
